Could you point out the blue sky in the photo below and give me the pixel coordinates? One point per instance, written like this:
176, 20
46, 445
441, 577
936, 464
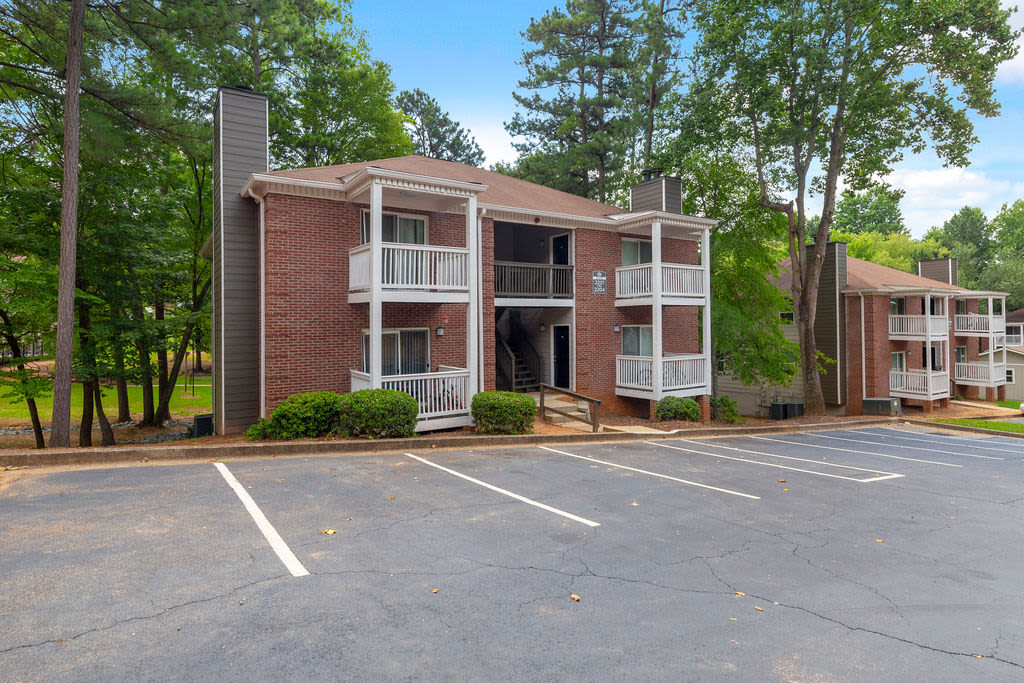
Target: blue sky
464, 54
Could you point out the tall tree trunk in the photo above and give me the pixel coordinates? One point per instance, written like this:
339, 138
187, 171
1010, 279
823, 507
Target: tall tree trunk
161, 362
124, 410
197, 346
85, 430
163, 411
106, 432
60, 422
15, 347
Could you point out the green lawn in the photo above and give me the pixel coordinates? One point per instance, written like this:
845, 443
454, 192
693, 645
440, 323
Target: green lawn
183, 404
1015, 427
1009, 404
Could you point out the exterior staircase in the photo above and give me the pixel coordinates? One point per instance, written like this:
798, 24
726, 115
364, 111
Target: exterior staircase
523, 378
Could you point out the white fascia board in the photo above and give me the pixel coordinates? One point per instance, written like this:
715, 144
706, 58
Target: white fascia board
356, 182
259, 184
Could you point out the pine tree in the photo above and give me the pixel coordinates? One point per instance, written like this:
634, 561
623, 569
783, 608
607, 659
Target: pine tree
435, 134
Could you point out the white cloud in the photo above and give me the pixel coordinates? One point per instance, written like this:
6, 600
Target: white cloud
1013, 70
493, 139
934, 195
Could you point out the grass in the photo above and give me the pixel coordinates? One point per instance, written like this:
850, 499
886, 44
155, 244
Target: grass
183, 403
1014, 427
1009, 404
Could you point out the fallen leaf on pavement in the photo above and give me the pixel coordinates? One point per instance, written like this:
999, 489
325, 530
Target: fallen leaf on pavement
759, 609
782, 481
732, 618
574, 597
878, 540
740, 593
434, 590
329, 531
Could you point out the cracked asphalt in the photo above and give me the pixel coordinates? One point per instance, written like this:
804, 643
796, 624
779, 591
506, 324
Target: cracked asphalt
159, 572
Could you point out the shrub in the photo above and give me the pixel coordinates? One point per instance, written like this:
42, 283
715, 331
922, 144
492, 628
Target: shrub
503, 412
300, 416
378, 414
677, 408
724, 408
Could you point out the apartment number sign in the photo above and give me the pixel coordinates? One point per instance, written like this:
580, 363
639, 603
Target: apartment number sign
600, 279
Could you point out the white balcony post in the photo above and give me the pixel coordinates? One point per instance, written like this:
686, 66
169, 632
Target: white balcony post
928, 344
705, 261
375, 347
991, 345
656, 312
472, 324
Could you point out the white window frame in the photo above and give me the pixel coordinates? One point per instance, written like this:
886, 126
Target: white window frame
397, 215
894, 303
903, 361
398, 346
638, 240
1011, 375
622, 341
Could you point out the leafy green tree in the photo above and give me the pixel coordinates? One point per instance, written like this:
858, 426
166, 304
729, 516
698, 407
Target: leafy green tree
658, 30
821, 91
576, 121
1008, 226
876, 209
435, 134
894, 250
969, 237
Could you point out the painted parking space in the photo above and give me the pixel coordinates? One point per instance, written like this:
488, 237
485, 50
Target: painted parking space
434, 567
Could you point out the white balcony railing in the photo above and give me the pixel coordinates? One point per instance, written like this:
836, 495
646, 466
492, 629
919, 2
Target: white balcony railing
532, 280
914, 384
439, 394
680, 371
973, 323
980, 373
913, 326
412, 266
676, 280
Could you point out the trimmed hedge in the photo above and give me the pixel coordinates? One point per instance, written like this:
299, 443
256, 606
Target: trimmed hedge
724, 408
378, 414
677, 408
301, 416
503, 412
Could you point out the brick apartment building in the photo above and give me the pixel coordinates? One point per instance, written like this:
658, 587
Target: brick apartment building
443, 280
892, 334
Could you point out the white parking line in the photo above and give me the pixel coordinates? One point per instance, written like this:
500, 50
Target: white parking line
851, 450
965, 442
885, 475
274, 538
653, 474
896, 445
524, 499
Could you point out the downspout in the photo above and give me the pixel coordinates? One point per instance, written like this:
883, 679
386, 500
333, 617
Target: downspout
479, 298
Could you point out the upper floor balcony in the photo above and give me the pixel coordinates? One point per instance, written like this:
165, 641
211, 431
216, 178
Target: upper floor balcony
918, 327
680, 375
681, 285
410, 272
520, 281
978, 325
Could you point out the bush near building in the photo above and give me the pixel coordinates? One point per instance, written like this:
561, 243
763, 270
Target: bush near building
677, 408
503, 412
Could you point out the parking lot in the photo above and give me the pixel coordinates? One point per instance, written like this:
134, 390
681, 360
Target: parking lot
871, 554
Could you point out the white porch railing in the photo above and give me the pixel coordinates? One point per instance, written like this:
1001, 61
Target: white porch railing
536, 280
412, 266
914, 326
914, 384
681, 371
980, 373
439, 394
979, 324
1014, 339
676, 280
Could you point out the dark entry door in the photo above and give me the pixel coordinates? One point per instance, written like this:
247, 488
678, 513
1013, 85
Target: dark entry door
560, 250
560, 357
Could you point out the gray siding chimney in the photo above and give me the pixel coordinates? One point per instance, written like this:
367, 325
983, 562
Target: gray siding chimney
659, 193
942, 269
239, 149
830, 322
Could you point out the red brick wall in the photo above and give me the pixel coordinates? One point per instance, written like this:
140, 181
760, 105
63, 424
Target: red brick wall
487, 313
313, 333
596, 314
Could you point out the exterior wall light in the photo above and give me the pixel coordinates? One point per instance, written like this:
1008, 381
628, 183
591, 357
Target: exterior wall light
543, 327
440, 332
615, 328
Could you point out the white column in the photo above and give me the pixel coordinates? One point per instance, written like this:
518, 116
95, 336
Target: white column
472, 317
656, 311
1002, 307
991, 345
705, 261
376, 281
928, 345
